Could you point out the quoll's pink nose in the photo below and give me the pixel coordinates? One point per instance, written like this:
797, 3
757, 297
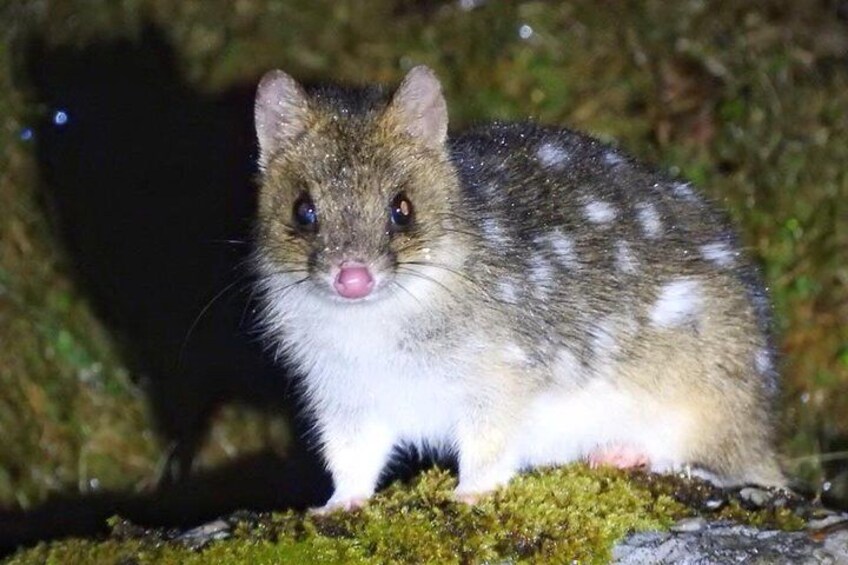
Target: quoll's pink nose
354, 281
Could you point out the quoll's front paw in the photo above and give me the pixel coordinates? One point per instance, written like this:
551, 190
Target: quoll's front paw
347, 504
469, 498
471, 492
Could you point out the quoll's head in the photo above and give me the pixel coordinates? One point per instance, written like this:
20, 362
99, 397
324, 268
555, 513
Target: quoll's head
358, 195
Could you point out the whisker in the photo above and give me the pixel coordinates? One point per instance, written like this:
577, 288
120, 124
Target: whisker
254, 289
462, 221
278, 293
406, 290
248, 263
231, 241
452, 271
282, 272
202, 313
464, 232
281, 292
421, 275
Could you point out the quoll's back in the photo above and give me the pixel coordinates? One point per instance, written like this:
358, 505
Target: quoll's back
578, 232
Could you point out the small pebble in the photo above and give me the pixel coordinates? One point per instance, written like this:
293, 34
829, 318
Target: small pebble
198, 537
821, 513
714, 504
757, 497
827, 522
687, 525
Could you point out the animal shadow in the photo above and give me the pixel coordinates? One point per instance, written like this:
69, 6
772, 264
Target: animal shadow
149, 186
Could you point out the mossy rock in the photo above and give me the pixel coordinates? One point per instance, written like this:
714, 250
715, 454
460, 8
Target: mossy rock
566, 514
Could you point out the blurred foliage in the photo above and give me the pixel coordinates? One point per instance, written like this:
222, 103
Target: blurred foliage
69, 419
749, 100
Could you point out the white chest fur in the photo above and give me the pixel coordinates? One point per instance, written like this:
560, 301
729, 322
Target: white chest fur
355, 365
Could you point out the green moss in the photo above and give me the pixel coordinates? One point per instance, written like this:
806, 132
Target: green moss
564, 514
568, 513
695, 495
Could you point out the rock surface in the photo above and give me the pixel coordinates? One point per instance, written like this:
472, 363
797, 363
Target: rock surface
726, 542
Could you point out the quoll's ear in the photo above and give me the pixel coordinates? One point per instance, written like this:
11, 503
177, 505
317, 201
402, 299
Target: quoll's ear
419, 107
281, 113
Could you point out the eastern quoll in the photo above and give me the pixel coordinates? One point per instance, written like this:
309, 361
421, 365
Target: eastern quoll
517, 295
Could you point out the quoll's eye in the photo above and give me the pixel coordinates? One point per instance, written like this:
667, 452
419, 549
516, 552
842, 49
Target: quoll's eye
401, 211
304, 213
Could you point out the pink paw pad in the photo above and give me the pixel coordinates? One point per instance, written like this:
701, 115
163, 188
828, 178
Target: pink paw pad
619, 456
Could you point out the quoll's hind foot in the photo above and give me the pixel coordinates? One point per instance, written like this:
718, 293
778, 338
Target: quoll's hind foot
619, 456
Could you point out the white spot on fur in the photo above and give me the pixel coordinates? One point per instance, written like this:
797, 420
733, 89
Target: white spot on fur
562, 247
599, 212
649, 219
607, 336
624, 258
552, 155
719, 253
514, 353
491, 189
679, 301
507, 291
494, 233
762, 361
604, 342
566, 367
541, 275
